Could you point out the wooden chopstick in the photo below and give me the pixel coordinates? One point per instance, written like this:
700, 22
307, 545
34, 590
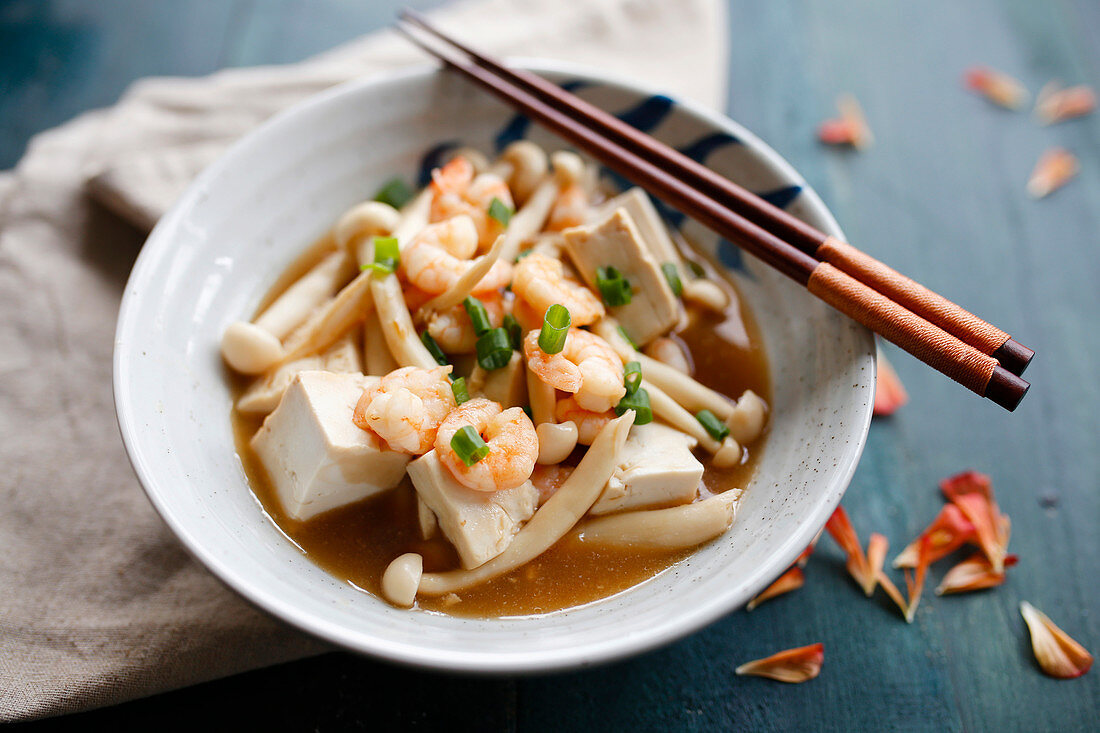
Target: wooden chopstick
965, 364
931, 306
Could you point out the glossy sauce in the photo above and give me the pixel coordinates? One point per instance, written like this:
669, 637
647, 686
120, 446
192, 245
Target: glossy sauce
357, 542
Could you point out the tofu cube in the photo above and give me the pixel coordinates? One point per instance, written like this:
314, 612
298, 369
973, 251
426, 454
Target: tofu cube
316, 457
651, 227
656, 469
507, 385
479, 524
615, 241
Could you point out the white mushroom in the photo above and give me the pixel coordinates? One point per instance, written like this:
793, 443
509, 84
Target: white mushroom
667, 529
370, 218
529, 220
376, 353
402, 578
730, 454
568, 167
668, 351
706, 294
556, 441
529, 165
747, 421
250, 349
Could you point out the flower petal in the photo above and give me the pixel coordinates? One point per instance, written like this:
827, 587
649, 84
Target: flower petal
890, 393
893, 592
1055, 169
949, 531
973, 573
848, 129
1055, 104
785, 583
967, 482
988, 527
877, 547
1057, 653
792, 665
840, 529
997, 87
915, 583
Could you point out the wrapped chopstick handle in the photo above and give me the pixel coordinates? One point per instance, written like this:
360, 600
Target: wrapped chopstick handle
952, 318
965, 364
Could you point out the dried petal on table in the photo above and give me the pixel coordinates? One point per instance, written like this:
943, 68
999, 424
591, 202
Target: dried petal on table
792, 665
1055, 168
989, 527
996, 86
914, 582
1055, 103
973, 573
967, 482
850, 128
840, 529
1057, 653
947, 533
785, 583
890, 393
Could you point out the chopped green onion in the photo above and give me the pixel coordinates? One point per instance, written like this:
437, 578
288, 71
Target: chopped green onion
715, 427
673, 277
478, 315
468, 445
555, 327
394, 192
458, 389
500, 211
433, 349
527, 411
494, 349
639, 402
625, 335
387, 256
696, 268
632, 377
515, 332
613, 287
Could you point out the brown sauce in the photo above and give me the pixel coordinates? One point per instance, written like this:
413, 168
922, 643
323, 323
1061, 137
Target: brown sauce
357, 542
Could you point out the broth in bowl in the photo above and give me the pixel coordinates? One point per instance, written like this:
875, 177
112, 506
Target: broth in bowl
507, 394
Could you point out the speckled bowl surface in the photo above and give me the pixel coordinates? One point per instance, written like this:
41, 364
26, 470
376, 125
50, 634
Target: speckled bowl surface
212, 257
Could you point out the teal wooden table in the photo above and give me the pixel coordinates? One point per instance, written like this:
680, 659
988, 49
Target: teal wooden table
941, 197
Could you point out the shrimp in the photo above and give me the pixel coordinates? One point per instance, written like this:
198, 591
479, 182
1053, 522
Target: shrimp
588, 423
513, 445
570, 209
452, 330
437, 257
456, 191
588, 368
406, 407
541, 281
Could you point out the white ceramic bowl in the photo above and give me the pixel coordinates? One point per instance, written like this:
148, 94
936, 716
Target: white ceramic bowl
211, 258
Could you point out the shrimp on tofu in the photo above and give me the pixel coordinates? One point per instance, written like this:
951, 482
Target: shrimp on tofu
588, 423
456, 191
406, 407
541, 282
509, 435
437, 257
587, 367
454, 332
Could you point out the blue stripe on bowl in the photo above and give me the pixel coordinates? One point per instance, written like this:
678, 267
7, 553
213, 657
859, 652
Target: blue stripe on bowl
433, 158
516, 128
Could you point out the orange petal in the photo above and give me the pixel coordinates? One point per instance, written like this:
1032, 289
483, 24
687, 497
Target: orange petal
840, 529
915, 583
785, 583
987, 527
1055, 169
947, 533
973, 573
792, 665
967, 482
877, 547
1055, 104
848, 129
997, 87
893, 592
1057, 653
890, 393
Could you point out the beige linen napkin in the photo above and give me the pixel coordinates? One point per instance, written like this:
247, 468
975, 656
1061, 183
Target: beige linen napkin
98, 602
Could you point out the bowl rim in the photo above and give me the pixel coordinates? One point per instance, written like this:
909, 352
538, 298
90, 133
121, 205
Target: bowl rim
608, 649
